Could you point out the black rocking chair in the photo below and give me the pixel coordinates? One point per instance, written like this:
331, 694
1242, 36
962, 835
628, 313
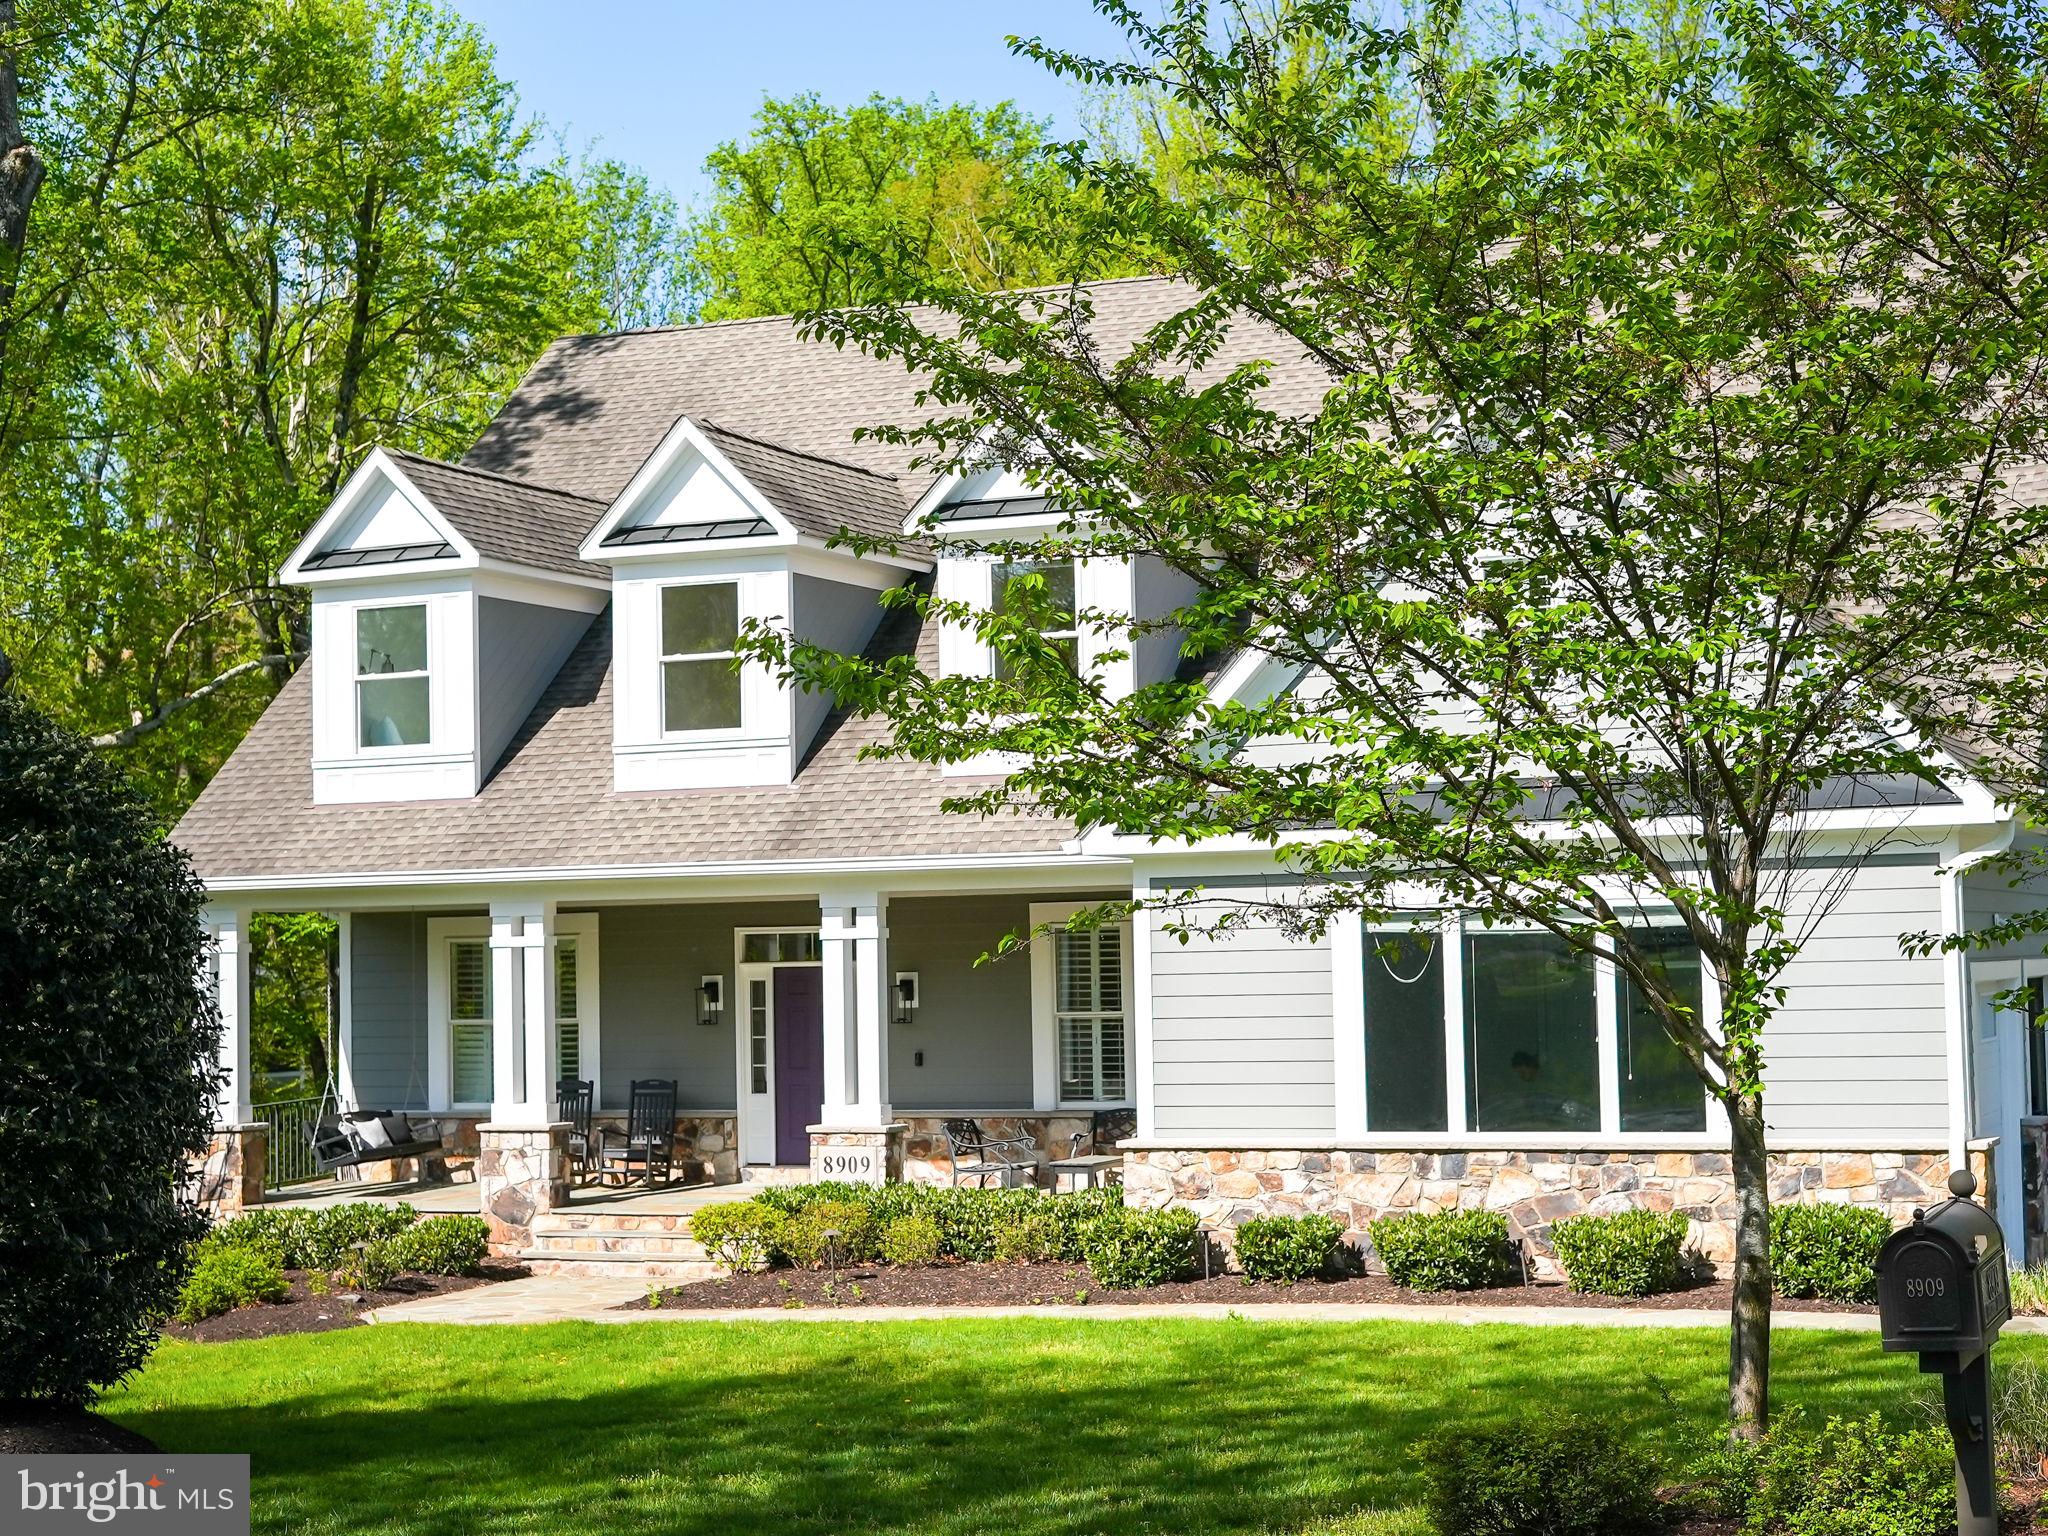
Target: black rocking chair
369, 1136
575, 1100
649, 1139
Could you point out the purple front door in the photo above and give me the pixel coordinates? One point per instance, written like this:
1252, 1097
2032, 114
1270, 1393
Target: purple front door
799, 1059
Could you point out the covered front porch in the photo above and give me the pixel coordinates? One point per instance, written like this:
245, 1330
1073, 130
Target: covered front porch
821, 1036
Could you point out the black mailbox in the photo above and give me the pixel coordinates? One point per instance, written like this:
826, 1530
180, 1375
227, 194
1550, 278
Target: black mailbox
1942, 1288
1942, 1291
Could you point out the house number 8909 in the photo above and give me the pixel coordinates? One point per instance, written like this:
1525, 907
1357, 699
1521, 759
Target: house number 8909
846, 1163
1931, 1286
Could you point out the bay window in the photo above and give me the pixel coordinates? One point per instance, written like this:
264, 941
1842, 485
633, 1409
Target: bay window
1504, 1032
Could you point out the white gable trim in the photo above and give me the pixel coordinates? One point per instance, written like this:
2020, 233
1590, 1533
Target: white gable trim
378, 466
684, 437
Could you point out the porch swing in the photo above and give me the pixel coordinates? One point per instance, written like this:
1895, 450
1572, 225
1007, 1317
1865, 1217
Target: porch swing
349, 1138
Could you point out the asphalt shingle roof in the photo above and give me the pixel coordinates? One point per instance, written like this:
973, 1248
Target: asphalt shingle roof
505, 519
551, 804
819, 495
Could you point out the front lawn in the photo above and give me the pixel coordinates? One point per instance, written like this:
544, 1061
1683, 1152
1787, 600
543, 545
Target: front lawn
1018, 1426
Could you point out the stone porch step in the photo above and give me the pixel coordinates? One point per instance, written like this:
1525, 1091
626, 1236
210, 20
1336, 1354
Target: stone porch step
654, 1245
617, 1266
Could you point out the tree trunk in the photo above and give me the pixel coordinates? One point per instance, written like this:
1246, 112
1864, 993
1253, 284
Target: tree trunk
1749, 1322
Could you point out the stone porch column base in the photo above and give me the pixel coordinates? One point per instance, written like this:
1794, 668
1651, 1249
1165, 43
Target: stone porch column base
858, 1154
231, 1177
521, 1171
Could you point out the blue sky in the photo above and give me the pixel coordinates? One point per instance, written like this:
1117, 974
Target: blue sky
659, 84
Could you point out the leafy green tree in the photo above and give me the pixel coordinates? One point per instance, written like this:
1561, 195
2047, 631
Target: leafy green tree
271, 237
823, 206
1660, 493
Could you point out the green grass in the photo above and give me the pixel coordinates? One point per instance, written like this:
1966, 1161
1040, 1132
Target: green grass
1019, 1426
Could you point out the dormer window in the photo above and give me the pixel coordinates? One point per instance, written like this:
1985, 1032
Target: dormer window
1048, 608
700, 686
391, 676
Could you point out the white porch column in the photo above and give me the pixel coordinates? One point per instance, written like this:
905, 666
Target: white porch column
228, 930
854, 935
522, 1012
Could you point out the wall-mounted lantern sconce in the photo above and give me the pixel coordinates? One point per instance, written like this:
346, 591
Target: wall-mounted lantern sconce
710, 999
906, 997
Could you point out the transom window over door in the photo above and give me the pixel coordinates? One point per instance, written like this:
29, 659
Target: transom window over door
1048, 608
1089, 1015
471, 1062
392, 688
700, 686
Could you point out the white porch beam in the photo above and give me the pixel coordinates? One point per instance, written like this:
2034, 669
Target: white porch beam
853, 935
523, 1025
227, 929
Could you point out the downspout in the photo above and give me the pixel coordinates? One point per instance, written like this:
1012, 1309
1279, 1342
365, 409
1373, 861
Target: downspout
1956, 993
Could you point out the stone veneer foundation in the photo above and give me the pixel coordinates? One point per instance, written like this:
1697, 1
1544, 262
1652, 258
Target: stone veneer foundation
521, 1172
231, 1175
1532, 1190
924, 1145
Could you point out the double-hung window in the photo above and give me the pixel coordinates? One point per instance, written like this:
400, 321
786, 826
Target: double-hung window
1551, 1041
1090, 1018
700, 683
1046, 604
392, 705
469, 1021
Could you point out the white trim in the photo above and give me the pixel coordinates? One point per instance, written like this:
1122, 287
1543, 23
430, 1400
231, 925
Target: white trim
1607, 1040
1045, 1097
583, 928
1145, 1083
440, 1037
1347, 1022
684, 437
1955, 980
228, 930
1438, 1141
344, 1065
1456, 1111
377, 463
754, 1123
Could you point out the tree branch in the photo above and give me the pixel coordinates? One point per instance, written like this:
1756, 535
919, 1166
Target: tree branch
130, 734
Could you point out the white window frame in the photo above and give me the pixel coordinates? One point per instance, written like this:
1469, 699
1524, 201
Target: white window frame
755, 1114
358, 676
441, 933
1045, 1044
1350, 945
663, 658
580, 929
997, 581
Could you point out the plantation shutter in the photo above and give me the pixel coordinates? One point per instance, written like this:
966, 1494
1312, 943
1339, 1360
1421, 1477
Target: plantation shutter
569, 1029
469, 1021
1089, 1014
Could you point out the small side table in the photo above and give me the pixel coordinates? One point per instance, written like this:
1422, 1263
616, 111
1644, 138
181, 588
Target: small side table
1083, 1171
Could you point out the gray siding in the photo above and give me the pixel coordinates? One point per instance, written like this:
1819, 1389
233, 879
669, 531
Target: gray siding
1990, 897
1157, 589
838, 616
650, 960
520, 648
1860, 1044
1241, 1035
388, 992
972, 1024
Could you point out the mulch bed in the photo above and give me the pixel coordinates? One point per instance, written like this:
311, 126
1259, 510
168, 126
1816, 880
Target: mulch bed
1011, 1285
305, 1312
44, 1429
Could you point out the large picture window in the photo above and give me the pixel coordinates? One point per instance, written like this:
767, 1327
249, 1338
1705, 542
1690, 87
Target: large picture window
392, 704
1532, 1035
1047, 605
700, 685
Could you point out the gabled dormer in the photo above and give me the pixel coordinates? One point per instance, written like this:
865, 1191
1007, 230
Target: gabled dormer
715, 530
444, 600
965, 514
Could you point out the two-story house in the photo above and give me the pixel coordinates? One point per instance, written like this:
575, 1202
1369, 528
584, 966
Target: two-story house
565, 838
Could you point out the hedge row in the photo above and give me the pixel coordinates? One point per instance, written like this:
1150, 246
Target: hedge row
361, 1246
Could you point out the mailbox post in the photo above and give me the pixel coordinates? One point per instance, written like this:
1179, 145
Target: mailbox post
1943, 1292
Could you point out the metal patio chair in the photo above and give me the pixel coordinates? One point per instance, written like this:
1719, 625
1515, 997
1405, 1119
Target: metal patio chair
976, 1155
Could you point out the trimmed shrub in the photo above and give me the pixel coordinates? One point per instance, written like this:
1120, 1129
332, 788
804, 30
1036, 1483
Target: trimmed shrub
911, 1239
1631, 1253
1030, 1237
1827, 1251
972, 1219
1129, 1250
370, 1266
443, 1245
830, 1231
323, 1238
109, 1044
1287, 1248
1852, 1478
1555, 1477
740, 1234
1445, 1250
226, 1277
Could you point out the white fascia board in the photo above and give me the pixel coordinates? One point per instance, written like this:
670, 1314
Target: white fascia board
934, 497
684, 437
530, 584
821, 557
377, 465
1050, 871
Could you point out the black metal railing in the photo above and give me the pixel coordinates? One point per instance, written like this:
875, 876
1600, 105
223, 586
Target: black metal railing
290, 1156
